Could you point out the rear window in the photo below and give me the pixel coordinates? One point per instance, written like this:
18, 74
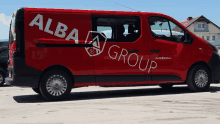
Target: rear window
12, 34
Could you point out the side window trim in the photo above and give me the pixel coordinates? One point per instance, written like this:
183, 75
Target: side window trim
170, 28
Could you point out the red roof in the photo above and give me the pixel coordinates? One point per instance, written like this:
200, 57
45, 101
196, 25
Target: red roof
187, 23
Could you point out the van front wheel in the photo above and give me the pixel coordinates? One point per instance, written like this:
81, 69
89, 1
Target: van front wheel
55, 85
198, 78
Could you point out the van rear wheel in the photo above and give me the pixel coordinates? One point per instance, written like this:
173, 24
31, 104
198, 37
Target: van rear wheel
199, 78
55, 85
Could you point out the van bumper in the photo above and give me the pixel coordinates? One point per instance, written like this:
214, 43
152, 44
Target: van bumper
214, 64
8, 81
22, 74
29, 81
216, 75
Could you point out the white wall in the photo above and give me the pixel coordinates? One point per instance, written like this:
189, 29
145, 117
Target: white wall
213, 31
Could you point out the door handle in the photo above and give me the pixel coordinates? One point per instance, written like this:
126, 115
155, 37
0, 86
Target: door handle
154, 51
132, 51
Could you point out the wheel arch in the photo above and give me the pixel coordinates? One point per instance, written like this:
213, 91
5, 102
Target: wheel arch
59, 67
201, 63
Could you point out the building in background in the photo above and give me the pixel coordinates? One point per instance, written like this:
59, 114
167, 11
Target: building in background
203, 28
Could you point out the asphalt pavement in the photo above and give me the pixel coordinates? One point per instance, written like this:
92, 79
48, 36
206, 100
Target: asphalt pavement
112, 105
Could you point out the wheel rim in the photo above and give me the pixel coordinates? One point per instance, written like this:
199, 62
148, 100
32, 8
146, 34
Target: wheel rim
1, 78
56, 85
201, 78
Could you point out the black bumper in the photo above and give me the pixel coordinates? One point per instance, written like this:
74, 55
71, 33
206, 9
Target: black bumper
214, 63
9, 81
217, 75
26, 81
22, 74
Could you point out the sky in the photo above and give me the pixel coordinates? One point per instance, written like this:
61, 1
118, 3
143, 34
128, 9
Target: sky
177, 9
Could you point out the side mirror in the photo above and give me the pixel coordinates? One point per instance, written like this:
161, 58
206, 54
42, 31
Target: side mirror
188, 38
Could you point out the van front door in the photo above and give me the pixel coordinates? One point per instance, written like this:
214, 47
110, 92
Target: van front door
168, 49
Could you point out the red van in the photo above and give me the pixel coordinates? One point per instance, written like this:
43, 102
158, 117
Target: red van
55, 50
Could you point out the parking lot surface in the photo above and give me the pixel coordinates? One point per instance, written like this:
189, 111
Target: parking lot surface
112, 105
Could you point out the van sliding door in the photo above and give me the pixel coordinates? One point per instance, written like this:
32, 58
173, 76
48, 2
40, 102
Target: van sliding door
123, 52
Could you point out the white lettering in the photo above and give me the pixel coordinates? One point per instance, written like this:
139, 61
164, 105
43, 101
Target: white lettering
47, 28
61, 30
129, 58
40, 23
122, 54
70, 36
151, 66
114, 52
145, 66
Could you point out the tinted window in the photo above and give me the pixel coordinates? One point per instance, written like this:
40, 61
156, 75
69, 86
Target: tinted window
117, 28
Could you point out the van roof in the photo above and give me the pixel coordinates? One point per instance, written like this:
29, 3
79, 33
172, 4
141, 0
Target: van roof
108, 12
100, 12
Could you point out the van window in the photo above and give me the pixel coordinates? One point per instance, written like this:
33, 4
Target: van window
126, 29
117, 28
162, 28
107, 30
177, 32
12, 33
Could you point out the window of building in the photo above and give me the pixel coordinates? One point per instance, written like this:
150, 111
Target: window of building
213, 38
203, 37
207, 38
203, 25
199, 25
117, 28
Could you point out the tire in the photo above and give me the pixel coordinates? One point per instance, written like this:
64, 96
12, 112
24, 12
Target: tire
37, 90
2, 78
199, 79
55, 85
166, 86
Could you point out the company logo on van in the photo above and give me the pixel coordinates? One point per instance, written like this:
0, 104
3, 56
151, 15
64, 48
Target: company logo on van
97, 46
60, 28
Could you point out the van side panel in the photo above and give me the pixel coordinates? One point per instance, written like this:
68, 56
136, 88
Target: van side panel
60, 51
